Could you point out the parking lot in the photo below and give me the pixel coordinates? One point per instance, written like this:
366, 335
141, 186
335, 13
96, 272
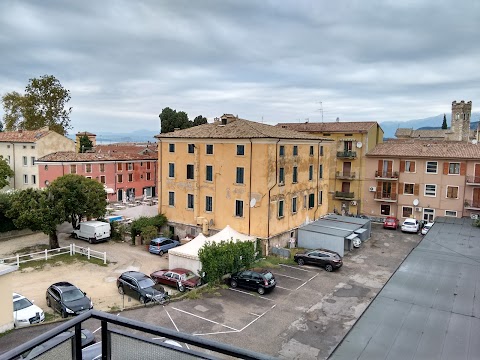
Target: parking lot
304, 317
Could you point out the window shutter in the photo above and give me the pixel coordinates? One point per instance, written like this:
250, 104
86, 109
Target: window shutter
389, 166
463, 168
445, 168
449, 191
380, 166
402, 165
415, 189
400, 188
394, 188
412, 166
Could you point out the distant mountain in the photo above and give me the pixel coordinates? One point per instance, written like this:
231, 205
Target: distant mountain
134, 136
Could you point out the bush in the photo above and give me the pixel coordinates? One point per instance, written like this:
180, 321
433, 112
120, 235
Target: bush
223, 258
118, 231
148, 233
139, 224
6, 224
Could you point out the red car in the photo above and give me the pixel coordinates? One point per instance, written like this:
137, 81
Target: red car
390, 223
179, 278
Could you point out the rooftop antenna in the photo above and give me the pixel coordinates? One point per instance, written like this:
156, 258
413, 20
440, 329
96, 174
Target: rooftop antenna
321, 109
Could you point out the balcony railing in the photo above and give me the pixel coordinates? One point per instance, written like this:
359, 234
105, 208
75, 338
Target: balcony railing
344, 195
386, 174
349, 175
473, 205
346, 154
385, 196
119, 345
473, 180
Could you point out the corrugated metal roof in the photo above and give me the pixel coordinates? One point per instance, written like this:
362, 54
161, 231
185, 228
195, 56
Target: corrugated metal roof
347, 219
430, 307
317, 228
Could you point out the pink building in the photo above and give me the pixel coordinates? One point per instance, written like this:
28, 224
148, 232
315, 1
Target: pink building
127, 171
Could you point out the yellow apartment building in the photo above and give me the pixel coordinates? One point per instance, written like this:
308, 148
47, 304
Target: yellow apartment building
260, 179
347, 165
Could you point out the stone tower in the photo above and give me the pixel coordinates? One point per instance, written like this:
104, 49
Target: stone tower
461, 113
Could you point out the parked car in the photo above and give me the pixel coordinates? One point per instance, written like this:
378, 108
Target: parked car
25, 312
327, 259
179, 278
87, 339
411, 225
390, 223
67, 299
426, 227
140, 286
260, 280
162, 245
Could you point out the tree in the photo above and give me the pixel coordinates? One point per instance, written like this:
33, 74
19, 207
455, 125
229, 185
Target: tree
43, 104
5, 172
80, 197
444, 124
199, 120
171, 120
1, 126
85, 144
37, 210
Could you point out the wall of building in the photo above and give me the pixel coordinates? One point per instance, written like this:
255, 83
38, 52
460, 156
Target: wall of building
14, 153
6, 304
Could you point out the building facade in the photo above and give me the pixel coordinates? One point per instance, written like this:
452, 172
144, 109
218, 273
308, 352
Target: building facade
22, 148
259, 179
347, 168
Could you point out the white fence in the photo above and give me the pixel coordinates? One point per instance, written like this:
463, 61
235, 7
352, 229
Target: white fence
72, 249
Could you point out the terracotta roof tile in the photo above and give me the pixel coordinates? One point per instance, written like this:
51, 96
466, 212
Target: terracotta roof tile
28, 136
353, 126
238, 129
71, 156
434, 133
83, 133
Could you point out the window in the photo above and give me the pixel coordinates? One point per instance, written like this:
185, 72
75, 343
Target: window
428, 215
190, 172
103, 179
171, 198
450, 213
430, 190
281, 176
209, 149
149, 176
119, 178
171, 148
73, 169
209, 173
171, 170
408, 189
295, 175
321, 150
34, 179
320, 171
191, 148
241, 150
294, 205
295, 150
310, 173
311, 201
88, 177
119, 167
304, 201
208, 203
190, 201
282, 150
25, 179
385, 209
148, 165
33, 146
8, 159
32, 160
102, 167
407, 211
311, 150
409, 166
452, 192
46, 167
24, 146
320, 197
25, 161
240, 174
129, 166
130, 177
453, 168
88, 168
281, 204
432, 167
239, 208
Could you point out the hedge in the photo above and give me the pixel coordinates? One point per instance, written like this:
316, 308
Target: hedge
142, 222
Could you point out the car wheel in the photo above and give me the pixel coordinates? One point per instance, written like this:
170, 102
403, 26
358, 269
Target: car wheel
142, 300
48, 302
181, 288
329, 267
75, 236
233, 284
120, 290
160, 253
261, 290
63, 313
301, 262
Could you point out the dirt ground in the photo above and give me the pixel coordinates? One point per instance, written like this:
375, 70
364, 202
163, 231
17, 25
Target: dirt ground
97, 281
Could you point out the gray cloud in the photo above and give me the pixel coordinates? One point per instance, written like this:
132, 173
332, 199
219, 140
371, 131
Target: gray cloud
124, 61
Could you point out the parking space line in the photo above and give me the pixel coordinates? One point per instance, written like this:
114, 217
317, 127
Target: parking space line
284, 288
288, 276
173, 322
254, 314
313, 277
294, 267
93, 332
201, 317
243, 292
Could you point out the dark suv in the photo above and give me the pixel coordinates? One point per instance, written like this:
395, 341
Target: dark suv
140, 286
330, 260
256, 279
67, 299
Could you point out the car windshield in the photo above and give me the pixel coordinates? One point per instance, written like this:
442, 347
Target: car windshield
409, 222
145, 283
72, 295
268, 275
187, 275
21, 304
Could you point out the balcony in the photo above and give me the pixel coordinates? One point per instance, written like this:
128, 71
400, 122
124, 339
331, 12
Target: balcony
116, 343
340, 195
473, 180
386, 175
384, 196
346, 154
471, 205
350, 175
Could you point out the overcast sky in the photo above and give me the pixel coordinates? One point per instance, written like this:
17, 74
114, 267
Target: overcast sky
124, 61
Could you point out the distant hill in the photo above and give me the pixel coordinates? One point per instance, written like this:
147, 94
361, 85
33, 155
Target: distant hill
134, 136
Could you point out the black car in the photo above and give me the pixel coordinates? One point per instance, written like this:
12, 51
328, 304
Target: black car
330, 260
260, 280
67, 299
140, 286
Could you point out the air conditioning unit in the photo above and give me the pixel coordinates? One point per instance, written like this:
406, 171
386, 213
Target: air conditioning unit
372, 188
474, 216
353, 203
418, 208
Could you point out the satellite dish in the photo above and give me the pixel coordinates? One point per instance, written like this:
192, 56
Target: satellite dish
415, 202
253, 202
359, 144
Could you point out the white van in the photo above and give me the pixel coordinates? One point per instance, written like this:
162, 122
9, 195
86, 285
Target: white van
93, 231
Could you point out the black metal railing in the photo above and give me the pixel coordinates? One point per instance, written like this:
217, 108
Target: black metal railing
344, 195
347, 154
386, 174
382, 195
471, 179
472, 204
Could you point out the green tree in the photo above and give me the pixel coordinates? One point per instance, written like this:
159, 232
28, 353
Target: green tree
85, 144
80, 197
37, 210
173, 119
43, 104
444, 124
1, 126
5, 172
199, 120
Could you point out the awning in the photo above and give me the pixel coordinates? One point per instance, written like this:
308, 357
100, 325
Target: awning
110, 191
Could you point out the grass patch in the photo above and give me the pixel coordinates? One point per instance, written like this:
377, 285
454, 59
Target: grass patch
114, 308
32, 249
59, 260
273, 262
5, 333
49, 316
